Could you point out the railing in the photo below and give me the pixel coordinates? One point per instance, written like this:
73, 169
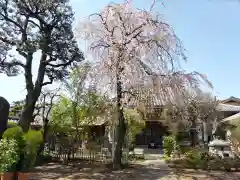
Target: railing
66, 153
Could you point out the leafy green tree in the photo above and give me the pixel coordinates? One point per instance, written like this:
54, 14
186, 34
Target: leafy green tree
79, 105
65, 114
135, 124
16, 108
44, 27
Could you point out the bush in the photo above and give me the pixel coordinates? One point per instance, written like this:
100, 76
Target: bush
193, 158
9, 156
169, 144
27, 145
11, 124
184, 149
13, 133
32, 139
198, 159
17, 134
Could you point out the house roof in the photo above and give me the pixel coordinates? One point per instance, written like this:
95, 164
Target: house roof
234, 119
232, 98
14, 118
228, 107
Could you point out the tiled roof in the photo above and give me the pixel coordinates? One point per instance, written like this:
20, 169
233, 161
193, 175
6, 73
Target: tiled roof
228, 107
232, 98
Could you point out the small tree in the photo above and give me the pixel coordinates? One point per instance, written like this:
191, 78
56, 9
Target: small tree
36, 26
16, 108
135, 48
78, 116
75, 87
196, 109
43, 109
135, 124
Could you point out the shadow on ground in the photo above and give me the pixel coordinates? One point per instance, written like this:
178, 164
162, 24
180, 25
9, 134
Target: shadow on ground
86, 171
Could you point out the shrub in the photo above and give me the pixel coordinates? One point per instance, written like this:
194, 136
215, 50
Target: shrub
27, 145
169, 144
9, 156
17, 134
184, 149
11, 124
32, 139
193, 158
13, 133
198, 159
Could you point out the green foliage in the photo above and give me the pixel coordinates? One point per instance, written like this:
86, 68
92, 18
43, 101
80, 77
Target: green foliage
13, 133
192, 154
8, 155
32, 139
193, 158
61, 113
169, 144
11, 124
135, 124
72, 117
16, 108
64, 50
26, 145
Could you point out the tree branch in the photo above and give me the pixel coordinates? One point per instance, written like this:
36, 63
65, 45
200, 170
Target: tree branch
48, 82
7, 41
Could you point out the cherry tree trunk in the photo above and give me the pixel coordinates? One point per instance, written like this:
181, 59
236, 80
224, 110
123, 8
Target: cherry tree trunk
194, 134
121, 126
121, 132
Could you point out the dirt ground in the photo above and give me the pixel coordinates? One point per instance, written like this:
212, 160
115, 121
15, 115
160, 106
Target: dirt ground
140, 171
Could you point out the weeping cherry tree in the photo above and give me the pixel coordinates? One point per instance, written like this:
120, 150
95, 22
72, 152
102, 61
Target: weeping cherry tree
134, 48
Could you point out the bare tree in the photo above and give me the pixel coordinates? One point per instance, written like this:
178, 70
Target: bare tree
197, 109
43, 109
28, 27
133, 49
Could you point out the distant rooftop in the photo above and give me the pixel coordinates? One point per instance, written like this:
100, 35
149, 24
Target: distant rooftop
228, 107
231, 98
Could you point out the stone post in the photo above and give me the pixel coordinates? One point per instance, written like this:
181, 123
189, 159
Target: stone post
4, 112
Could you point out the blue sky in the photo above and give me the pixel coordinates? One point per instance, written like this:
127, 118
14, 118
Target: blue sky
209, 30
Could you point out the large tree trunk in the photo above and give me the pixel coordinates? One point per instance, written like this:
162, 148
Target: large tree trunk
121, 127
26, 116
33, 91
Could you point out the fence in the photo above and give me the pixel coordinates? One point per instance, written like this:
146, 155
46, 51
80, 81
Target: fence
67, 153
